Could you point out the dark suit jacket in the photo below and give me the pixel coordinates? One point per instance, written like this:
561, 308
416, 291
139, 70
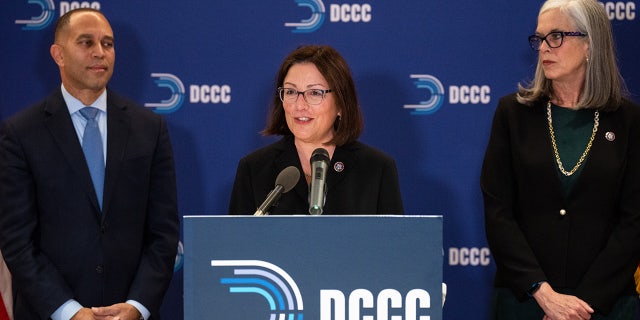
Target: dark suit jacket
56, 242
367, 185
594, 248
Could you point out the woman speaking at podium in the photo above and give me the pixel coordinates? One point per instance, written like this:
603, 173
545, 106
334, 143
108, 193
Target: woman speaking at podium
315, 108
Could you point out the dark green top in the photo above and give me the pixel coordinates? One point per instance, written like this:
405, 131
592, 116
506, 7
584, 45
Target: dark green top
573, 130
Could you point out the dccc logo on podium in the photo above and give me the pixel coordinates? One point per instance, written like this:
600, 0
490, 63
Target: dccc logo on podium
269, 281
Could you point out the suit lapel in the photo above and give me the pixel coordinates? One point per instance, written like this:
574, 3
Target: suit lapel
58, 122
603, 153
346, 155
344, 159
118, 130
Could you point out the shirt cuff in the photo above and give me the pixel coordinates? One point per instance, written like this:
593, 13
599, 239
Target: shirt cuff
143, 311
66, 310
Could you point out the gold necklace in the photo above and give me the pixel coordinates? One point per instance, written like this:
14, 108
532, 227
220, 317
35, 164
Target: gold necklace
596, 122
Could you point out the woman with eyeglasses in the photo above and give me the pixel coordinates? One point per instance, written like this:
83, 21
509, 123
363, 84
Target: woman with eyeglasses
314, 106
561, 177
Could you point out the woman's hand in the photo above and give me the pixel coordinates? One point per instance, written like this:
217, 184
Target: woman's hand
557, 306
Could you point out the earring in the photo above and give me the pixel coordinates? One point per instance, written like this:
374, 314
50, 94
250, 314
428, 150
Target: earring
587, 59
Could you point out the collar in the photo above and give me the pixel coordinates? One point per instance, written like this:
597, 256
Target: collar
73, 104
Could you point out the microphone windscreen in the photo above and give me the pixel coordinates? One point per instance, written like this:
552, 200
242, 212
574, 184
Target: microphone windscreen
288, 178
320, 154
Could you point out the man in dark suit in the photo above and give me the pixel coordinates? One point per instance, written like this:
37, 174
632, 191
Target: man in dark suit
81, 244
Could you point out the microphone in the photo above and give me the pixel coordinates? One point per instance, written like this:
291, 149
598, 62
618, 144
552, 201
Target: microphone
319, 165
286, 180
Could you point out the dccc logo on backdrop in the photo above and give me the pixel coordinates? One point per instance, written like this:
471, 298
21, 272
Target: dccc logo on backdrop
198, 93
267, 280
620, 10
312, 23
48, 9
43, 20
458, 94
174, 102
434, 98
338, 13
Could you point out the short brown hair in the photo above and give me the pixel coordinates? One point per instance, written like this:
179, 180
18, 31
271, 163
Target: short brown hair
335, 70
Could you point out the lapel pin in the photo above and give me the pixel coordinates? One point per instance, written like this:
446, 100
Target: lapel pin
338, 166
610, 136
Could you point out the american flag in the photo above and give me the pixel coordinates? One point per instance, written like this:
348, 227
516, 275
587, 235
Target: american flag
6, 297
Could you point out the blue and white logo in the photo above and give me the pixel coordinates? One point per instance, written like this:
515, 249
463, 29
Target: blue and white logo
620, 10
167, 80
267, 280
435, 98
43, 20
312, 23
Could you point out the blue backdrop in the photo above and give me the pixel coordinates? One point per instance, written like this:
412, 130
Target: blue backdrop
428, 74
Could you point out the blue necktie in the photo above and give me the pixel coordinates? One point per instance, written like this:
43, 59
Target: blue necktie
92, 147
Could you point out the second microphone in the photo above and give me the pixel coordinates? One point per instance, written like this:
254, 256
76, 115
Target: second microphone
319, 164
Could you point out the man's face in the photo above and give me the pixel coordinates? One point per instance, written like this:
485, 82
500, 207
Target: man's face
85, 53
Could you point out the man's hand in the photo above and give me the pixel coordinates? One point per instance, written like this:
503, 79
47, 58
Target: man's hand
118, 311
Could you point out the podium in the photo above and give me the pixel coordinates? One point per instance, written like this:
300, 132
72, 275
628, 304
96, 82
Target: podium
313, 267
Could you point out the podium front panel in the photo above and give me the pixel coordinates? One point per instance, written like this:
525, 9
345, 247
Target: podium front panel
313, 267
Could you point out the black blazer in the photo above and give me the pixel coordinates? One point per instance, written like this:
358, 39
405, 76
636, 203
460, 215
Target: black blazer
593, 249
367, 183
56, 242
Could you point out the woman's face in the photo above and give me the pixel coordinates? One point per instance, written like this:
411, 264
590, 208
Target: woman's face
309, 123
567, 63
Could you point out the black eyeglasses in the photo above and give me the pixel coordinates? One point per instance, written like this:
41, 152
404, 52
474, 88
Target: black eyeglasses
553, 39
311, 96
